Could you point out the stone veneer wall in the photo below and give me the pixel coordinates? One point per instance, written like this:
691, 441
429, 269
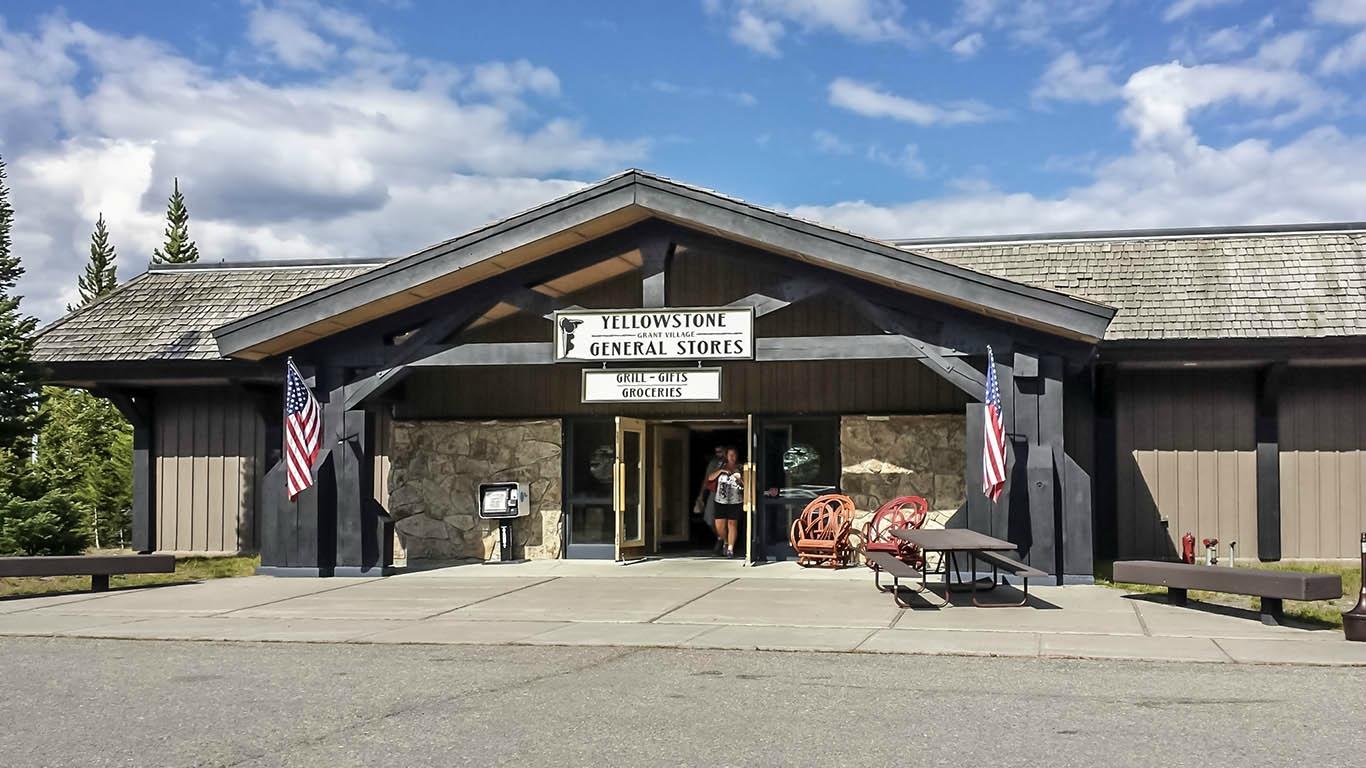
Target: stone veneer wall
435, 471
883, 457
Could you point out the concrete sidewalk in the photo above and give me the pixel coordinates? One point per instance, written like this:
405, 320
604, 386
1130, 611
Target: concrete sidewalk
673, 603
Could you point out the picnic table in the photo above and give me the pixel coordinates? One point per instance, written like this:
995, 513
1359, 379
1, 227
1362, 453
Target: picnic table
952, 542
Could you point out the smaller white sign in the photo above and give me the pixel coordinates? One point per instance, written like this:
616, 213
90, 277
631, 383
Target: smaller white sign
653, 385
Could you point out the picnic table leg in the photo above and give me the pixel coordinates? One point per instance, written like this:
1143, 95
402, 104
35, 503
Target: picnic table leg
99, 582
1176, 596
1272, 611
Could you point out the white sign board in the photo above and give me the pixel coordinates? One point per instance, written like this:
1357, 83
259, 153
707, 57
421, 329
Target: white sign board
654, 385
720, 333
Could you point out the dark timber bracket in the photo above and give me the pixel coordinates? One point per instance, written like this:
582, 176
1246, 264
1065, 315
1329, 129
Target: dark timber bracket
470, 303
1270, 380
956, 371
655, 253
782, 295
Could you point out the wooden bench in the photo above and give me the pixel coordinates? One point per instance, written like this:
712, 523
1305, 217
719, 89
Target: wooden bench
1273, 587
999, 563
98, 567
895, 567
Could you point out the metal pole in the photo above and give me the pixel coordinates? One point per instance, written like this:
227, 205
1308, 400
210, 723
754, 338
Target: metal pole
1354, 621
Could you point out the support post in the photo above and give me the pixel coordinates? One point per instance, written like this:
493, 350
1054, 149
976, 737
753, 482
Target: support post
364, 530
977, 508
139, 409
1049, 531
1269, 380
1106, 469
300, 535
1077, 534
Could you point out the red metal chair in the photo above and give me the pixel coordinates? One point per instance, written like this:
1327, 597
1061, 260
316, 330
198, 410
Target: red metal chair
820, 534
901, 512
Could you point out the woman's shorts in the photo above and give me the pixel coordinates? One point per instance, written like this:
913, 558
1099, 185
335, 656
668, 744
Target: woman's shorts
729, 511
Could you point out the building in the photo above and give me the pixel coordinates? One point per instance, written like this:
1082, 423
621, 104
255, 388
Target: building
1153, 383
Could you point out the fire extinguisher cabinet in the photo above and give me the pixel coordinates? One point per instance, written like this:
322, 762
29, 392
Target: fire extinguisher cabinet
1354, 621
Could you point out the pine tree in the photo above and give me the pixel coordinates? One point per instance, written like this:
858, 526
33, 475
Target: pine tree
88, 437
101, 274
39, 515
179, 248
20, 387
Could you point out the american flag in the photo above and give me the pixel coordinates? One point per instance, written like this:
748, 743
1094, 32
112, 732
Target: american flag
994, 437
303, 431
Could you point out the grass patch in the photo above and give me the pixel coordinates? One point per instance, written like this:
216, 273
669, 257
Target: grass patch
187, 570
1323, 613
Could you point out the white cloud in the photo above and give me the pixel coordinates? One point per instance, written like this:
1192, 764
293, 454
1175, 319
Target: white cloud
289, 38
907, 159
871, 101
1227, 40
1162, 98
1285, 50
1350, 56
670, 88
1169, 178
1321, 176
969, 45
831, 144
502, 79
761, 25
1180, 9
1068, 79
1340, 11
757, 34
1050, 24
295, 32
376, 158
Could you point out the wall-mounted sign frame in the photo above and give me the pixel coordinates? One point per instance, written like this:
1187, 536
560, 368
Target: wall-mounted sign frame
652, 385
673, 333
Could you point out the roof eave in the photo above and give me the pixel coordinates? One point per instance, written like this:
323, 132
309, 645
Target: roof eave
625, 199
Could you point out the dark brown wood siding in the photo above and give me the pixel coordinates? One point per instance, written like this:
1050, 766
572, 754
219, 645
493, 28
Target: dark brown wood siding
697, 278
863, 386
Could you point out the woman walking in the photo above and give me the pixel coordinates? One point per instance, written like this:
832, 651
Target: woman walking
730, 497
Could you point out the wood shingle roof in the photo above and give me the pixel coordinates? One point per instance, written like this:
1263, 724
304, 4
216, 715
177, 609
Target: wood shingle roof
1287, 284
1305, 284
168, 313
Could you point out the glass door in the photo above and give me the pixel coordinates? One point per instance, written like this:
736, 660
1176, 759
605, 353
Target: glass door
798, 460
628, 484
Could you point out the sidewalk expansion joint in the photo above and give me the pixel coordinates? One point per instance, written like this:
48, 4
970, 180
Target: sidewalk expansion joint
692, 600
1143, 625
216, 614
1223, 650
534, 583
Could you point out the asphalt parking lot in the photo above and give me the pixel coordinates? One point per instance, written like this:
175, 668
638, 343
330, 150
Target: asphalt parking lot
86, 702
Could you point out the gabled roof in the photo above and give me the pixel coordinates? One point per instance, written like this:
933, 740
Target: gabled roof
613, 204
168, 312
1288, 281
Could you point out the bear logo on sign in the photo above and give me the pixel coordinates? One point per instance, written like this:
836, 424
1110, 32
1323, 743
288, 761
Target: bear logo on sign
567, 327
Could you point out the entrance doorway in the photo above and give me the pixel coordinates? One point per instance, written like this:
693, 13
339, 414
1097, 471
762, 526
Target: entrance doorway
683, 452
631, 486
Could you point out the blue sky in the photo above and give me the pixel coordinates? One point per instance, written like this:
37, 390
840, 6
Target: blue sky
371, 128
